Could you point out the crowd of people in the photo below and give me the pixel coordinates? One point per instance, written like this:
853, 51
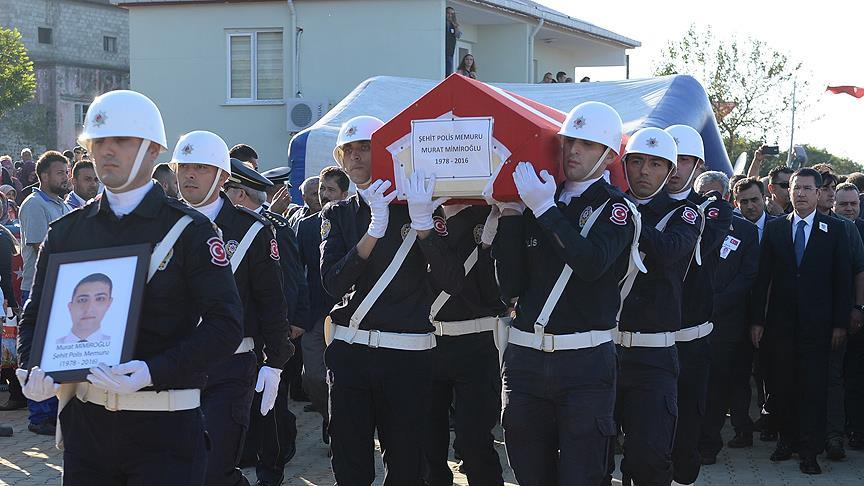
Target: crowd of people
588, 321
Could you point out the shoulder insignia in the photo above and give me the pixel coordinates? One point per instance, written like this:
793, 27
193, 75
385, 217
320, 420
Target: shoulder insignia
712, 213
689, 215
167, 260
274, 249
217, 252
440, 225
620, 211
325, 229
478, 234
583, 218
258, 217
405, 229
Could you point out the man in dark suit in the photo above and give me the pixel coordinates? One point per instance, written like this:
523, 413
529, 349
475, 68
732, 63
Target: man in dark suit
805, 280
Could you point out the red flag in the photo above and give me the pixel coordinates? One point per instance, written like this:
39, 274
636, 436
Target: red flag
850, 90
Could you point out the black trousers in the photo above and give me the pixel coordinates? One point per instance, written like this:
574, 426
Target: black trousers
695, 361
377, 389
728, 389
292, 372
558, 414
799, 393
226, 401
647, 410
465, 367
272, 438
855, 383
127, 448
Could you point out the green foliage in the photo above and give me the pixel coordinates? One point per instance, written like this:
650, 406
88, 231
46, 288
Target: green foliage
17, 80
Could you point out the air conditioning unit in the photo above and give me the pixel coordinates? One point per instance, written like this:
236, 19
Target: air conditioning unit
303, 112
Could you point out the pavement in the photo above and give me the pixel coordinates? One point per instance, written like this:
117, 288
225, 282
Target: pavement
31, 460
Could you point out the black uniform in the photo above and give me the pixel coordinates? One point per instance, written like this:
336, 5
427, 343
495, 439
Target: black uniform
646, 408
227, 398
380, 388
104, 447
731, 348
271, 441
695, 355
467, 366
563, 400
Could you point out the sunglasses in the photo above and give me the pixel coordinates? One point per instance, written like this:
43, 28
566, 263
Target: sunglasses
784, 185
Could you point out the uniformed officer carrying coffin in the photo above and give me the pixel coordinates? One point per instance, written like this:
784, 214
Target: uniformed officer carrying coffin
563, 260
203, 165
382, 261
119, 430
648, 360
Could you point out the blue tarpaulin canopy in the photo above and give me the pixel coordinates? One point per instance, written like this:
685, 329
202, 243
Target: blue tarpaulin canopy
657, 102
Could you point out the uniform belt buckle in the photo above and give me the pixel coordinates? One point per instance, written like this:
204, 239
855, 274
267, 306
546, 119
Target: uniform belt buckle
627, 339
376, 341
551, 340
112, 401
439, 327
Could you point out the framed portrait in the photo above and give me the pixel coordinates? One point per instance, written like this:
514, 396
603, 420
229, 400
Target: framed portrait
91, 303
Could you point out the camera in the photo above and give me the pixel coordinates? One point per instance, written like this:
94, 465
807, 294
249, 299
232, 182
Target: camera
770, 150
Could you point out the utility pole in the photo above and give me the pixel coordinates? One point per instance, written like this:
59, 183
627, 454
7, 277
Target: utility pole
792, 135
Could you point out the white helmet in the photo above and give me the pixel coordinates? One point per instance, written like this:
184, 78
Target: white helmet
202, 147
655, 142
124, 113
355, 129
688, 140
595, 122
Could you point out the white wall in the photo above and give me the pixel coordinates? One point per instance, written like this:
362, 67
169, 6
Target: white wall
553, 59
502, 53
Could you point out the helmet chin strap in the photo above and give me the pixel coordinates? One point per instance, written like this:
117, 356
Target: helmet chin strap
627, 178
686, 186
139, 158
210, 192
597, 165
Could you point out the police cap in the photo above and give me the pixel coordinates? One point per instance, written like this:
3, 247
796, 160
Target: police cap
246, 176
279, 175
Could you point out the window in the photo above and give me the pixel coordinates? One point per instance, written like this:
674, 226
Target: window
46, 35
255, 66
109, 43
80, 114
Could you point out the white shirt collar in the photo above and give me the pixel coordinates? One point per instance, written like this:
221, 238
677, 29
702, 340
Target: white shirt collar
681, 195
123, 203
211, 210
259, 209
808, 219
573, 189
761, 221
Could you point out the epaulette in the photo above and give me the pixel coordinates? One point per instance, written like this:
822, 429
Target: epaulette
277, 220
184, 208
257, 217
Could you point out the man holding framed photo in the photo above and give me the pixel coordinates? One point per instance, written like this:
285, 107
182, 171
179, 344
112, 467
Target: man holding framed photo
139, 420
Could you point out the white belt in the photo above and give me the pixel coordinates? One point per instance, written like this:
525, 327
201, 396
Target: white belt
559, 342
381, 339
151, 401
246, 345
460, 328
695, 332
644, 340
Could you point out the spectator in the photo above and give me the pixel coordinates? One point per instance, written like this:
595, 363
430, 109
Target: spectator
79, 154
26, 155
10, 194
802, 297
561, 77
28, 179
311, 203
732, 181
6, 162
749, 198
245, 153
467, 67
37, 211
586, 79
568, 80
452, 33
85, 184
69, 154
845, 204
9, 247
167, 179
547, 78
779, 202
856, 178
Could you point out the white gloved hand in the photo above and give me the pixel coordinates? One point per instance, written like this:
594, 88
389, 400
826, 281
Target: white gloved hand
268, 383
537, 193
39, 387
418, 191
379, 205
490, 227
122, 379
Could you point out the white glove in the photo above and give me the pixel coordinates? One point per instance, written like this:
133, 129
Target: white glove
490, 227
268, 383
537, 193
39, 387
122, 379
420, 203
378, 204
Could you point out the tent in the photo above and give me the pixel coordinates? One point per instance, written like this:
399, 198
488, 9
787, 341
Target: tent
657, 102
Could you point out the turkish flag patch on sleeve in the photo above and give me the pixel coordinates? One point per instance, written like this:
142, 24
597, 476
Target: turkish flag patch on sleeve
274, 250
620, 211
218, 255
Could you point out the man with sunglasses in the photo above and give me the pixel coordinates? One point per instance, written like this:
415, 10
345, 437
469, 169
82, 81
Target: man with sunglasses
779, 203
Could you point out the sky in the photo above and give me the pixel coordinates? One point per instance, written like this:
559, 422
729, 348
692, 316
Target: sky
824, 37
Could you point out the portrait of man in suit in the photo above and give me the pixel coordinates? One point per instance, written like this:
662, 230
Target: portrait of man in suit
91, 299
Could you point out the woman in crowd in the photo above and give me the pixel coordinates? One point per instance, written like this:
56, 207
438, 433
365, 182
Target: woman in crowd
467, 67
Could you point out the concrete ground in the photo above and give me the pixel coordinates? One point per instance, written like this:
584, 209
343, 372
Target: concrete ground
29, 459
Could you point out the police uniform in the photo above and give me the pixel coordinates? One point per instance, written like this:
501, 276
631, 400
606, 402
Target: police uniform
372, 385
693, 342
559, 394
648, 367
194, 281
465, 361
230, 386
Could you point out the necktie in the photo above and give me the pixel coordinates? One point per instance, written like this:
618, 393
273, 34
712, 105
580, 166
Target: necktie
799, 242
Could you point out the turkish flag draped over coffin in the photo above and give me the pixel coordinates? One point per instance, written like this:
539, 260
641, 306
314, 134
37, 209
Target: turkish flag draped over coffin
446, 131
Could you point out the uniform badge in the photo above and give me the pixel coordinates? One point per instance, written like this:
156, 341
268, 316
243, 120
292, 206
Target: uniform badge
405, 229
440, 225
325, 229
217, 252
274, 249
579, 122
351, 131
99, 119
230, 247
651, 142
712, 213
620, 211
586, 214
823, 227
689, 215
167, 260
187, 149
478, 234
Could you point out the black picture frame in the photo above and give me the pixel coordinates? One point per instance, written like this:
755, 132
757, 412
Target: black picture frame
74, 368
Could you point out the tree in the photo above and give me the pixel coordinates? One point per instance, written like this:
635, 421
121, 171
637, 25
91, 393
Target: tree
749, 84
17, 81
